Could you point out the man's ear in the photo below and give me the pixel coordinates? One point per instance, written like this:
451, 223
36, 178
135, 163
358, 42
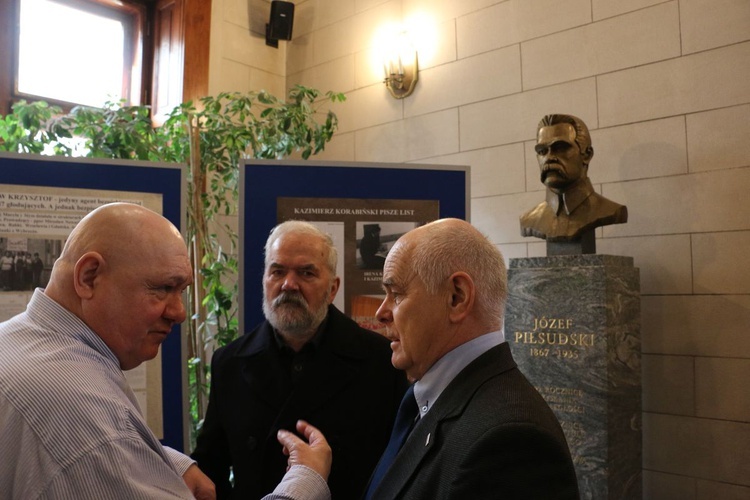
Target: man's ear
85, 274
463, 294
334, 289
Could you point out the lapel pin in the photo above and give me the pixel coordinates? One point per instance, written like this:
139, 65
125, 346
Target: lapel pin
427, 441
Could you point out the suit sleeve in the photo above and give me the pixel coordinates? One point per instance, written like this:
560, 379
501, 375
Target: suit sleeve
212, 448
520, 460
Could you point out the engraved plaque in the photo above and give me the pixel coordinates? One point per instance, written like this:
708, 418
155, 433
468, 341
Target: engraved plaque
573, 324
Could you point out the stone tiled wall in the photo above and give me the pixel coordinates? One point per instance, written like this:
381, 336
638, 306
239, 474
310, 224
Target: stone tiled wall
240, 60
665, 89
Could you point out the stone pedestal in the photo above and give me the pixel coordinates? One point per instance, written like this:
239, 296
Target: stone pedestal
573, 324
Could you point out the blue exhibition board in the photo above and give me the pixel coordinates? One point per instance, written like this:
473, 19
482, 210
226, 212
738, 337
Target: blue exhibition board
263, 182
166, 180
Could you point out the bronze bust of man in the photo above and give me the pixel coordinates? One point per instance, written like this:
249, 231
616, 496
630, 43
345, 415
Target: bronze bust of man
572, 209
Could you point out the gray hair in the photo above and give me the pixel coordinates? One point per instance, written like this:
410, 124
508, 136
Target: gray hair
305, 228
443, 252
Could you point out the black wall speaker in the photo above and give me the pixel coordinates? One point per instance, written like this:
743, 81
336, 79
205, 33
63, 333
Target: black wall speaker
281, 23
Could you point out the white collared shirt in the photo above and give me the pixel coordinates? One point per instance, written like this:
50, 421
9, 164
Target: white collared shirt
428, 389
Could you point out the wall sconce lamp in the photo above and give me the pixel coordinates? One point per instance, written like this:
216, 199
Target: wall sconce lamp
401, 69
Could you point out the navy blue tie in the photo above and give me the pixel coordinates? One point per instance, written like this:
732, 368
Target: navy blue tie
405, 419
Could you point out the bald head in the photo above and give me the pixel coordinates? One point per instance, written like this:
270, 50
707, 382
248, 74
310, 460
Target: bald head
445, 285
446, 246
122, 271
119, 232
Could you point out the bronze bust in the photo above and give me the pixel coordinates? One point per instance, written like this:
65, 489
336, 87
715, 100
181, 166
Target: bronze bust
572, 209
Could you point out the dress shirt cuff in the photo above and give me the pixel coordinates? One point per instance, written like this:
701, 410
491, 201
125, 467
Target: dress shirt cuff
180, 461
301, 482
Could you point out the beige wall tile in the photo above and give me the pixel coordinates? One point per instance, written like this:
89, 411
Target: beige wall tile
542, 17
234, 76
707, 24
328, 12
716, 139
368, 68
336, 75
363, 5
660, 486
440, 48
261, 80
443, 10
721, 389
239, 12
709, 449
668, 384
455, 84
630, 40
487, 29
699, 325
304, 18
664, 261
538, 248
327, 44
498, 216
412, 139
609, 8
494, 171
720, 262
683, 204
242, 46
711, 490
514, 118
299, 53
367, 107
642, 150
368, 26
699, 82
341, 148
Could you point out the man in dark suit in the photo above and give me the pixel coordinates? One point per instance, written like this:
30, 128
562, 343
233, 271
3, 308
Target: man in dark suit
306, 361
483, 430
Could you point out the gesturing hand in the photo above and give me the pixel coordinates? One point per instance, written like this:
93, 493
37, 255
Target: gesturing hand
315, 453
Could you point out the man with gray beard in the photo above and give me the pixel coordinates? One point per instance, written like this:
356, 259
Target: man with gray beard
306, 361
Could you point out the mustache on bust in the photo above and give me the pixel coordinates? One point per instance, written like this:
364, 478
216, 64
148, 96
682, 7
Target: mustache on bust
552, 166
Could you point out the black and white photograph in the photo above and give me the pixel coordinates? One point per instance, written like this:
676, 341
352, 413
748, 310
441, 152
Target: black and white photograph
375, 239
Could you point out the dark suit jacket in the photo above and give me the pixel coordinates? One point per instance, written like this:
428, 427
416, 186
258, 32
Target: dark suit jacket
489, 435
351, 392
